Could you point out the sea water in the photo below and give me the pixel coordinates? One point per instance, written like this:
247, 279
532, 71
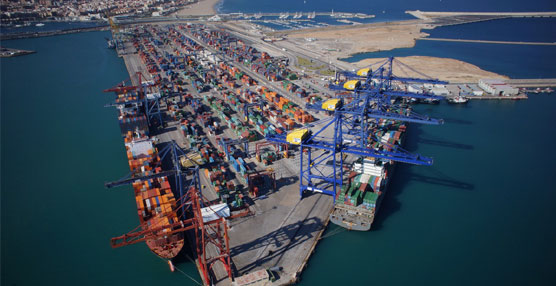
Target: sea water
59, 145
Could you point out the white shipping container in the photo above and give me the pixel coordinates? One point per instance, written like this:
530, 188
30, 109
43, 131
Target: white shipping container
369, 169
440, 91
415, 88
364, 178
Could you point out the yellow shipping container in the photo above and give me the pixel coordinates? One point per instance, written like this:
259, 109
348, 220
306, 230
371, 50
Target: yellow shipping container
297, 136
332, 104
352, 84
364, 72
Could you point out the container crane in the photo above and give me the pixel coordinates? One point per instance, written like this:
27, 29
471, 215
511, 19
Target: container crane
139, 96
350, 131
208, 233
227, 143
382, 77
247, 105
338, 143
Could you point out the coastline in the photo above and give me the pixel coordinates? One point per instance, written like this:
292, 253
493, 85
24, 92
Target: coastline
446, 69
345, 41
203, 7
342, 42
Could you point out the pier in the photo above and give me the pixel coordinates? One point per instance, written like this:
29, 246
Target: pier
490, 42
4, 37
543, 82
499, 97
428, 15
437, 19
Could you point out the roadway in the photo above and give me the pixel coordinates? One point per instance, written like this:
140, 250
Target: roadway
542, 82
291, 52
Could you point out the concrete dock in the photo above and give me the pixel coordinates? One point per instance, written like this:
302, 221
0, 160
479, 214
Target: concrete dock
429, 14
490, 42
531, 82
437, 19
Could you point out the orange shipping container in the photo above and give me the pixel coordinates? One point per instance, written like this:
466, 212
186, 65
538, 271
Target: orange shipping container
289, 123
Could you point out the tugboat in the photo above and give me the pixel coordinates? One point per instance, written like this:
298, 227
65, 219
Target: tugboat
111, 44
458, 99
431, 101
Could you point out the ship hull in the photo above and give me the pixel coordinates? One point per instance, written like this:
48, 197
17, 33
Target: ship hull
156, 203
356, 215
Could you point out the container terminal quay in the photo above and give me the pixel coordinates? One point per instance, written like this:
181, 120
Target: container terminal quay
242, 150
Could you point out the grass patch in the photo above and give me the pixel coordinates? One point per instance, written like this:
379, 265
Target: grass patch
327, 72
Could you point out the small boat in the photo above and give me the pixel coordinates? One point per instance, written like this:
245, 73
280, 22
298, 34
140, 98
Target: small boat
110, 43
39, 25
458, 99
172, 268
431, 100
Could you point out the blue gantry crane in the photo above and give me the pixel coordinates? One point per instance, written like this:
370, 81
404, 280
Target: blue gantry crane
228, 143
343, 133
349, 130
380, 78
139, 96
246, 107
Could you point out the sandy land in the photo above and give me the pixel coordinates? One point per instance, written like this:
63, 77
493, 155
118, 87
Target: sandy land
341, 42
203, 7
451, 70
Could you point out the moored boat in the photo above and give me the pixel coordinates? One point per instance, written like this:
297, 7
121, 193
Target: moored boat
156, 205
359, 199
458, 99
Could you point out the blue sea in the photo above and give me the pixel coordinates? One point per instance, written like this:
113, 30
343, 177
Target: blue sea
483, 214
